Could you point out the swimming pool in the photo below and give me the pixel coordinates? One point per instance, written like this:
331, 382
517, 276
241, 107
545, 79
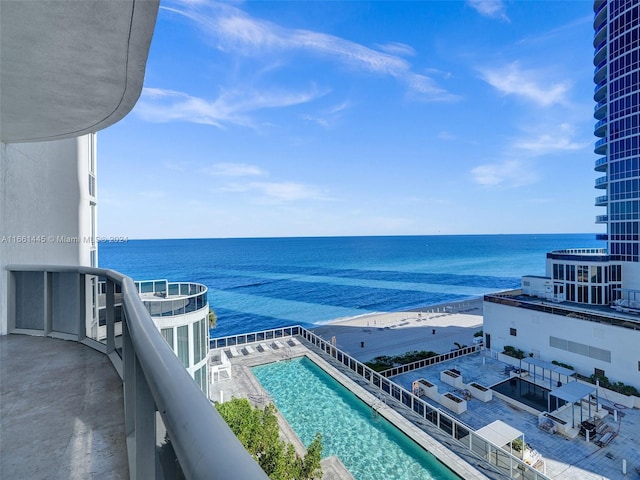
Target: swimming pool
369, 446
525, 392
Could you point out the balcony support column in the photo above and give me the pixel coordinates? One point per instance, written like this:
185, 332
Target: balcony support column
139, 414
145, 434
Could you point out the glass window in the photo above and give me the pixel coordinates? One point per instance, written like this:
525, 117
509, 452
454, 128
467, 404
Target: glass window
200, 376
167, 333
183, 344
199, 340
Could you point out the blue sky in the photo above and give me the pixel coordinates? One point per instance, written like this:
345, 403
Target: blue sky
262, 119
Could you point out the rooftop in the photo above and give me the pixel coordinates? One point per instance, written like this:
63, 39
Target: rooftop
566, 459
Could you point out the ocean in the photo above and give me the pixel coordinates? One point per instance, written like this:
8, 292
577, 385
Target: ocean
261, 283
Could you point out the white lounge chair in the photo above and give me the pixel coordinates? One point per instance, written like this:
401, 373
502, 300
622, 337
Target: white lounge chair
248, 350
277, 344
233, 352
293, 342
264, 347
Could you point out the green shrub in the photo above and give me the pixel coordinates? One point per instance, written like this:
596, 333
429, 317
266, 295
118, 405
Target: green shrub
513, 352
563, 365
385, 362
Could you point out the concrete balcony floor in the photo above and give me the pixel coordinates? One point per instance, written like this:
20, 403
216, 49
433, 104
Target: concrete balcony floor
61, 411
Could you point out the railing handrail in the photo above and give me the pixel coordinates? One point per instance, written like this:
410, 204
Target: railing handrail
204, 444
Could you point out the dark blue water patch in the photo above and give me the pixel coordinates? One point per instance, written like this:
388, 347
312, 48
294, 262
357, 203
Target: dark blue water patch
233, 322
338, 295
499, 283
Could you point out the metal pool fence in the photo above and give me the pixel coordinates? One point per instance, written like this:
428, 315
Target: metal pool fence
505, 462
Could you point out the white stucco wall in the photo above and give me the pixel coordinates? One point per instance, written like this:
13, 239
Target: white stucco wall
534, 329
44, 206
631, 275
187, 319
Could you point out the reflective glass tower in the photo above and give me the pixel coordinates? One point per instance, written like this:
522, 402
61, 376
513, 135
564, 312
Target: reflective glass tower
617, 92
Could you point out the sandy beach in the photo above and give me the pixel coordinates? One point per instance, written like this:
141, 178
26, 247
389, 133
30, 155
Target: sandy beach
437, 328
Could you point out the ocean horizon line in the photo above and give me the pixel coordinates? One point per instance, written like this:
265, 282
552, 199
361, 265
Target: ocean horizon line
308, 237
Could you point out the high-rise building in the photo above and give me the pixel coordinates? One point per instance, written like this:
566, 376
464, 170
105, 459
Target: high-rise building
586, 310
617, 68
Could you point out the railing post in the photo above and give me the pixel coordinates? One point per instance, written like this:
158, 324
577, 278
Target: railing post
111, 315
145, 425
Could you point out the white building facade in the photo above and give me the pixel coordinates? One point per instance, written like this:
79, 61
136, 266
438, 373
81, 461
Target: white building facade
181, 312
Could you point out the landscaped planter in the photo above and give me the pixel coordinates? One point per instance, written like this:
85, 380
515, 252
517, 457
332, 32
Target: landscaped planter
423, 387
480, 392
453, 403
451, 378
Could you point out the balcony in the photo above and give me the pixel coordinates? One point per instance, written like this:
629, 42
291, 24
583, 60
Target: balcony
599, 5
580, 254
601, 182
600, 34
602, 236
600, 129
602, 201
600, 91
600, 15
162, 299
102, 407
601, 147
600, 110
602, 218
601, 164
600, 54
600, 72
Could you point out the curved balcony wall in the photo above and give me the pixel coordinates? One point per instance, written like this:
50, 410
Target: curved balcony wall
602, 236
601, 182
580, 254
602, 218
600, 72
600, 129
601, 164
600, 110
601, 147
600, 54
599, 5
600, 16
602, 201
163, 299
600, 34
600, 91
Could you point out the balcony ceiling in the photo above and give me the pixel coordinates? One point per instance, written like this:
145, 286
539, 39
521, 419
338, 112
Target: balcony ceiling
70, 67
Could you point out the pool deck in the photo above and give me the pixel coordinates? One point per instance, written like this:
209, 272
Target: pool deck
244, 385
566, 459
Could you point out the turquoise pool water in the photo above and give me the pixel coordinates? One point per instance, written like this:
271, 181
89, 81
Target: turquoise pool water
368, 445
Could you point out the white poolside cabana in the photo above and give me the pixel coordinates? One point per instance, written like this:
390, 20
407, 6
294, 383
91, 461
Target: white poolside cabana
534, 365
501, 434
574, 392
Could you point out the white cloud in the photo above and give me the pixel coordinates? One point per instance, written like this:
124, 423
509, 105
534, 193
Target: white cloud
397, 48
512, 80
330, 116
490, 8
232, 107
278, 192
555, 139
510, 173
235, 31
225, 169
